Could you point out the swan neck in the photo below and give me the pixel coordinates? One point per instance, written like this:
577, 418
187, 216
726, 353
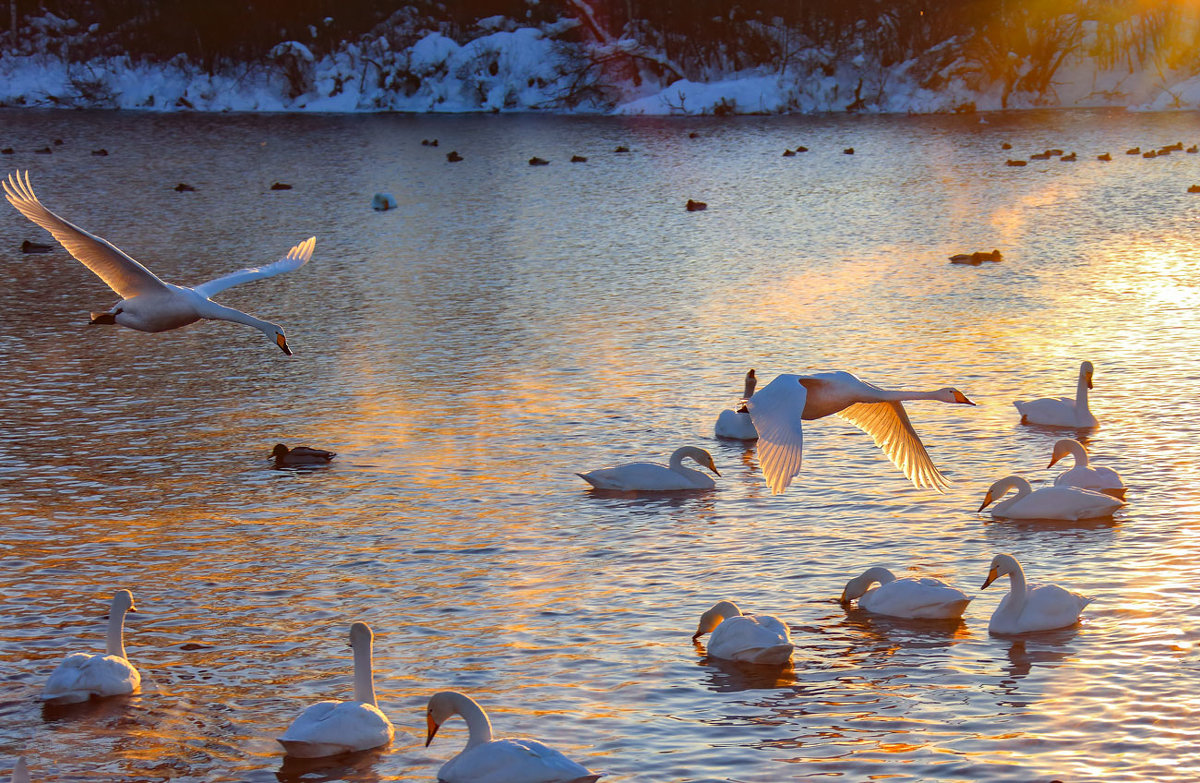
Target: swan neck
1017, 588
1076, 449
115, 640
887, 395
1081, 393
217, 312
478, 726
364, 683
879, 574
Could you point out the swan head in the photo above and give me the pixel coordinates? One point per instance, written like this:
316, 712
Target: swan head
1002, 565
715, 616
705, 459
361, 636
280, 451
442, 706
1085, 373
860, 584
952, 395
122, 602
998, 490
751, 384
281, 341
1065, 447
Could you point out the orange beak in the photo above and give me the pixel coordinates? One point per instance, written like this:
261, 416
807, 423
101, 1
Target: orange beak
281, 341
991, 578
431, 728
987, 499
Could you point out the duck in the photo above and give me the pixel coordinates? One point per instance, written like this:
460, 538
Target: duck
1105, 480
183, 187
749, 638
1104, 156
1062, 411
329, 728
381, 202
655, 477
696, 206
1027, 609
976, 258
20, 773
579, 159
487, 760
536, 161
778, 408
1017, 162
280, 186
35, 247
1057, 502
736, 424
82, 676
453, 157
149, 304
910, 597
301, 455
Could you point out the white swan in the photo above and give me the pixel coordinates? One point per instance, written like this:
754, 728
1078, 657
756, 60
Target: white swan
487, 760
328, 728
777, 410
1062, 411
1057, 502
654, 477
381, 202
753, 638
149, 304
1104, 480
912, 597
736, 424
1026, 608
82, 676
20, 773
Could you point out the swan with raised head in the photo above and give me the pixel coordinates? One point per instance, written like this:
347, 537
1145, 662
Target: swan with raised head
20, 773
778, 408
1083, 475
910, 597
82, 676
487, 760
148, 303
752, 638
1057, 502
736, 424
655, 477
1027, 608
1062, 411
328, 728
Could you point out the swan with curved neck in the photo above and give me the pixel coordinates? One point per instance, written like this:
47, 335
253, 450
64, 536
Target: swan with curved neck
1083, 475
737, 424
761, 638
913, 598
1058, 502
82, 676
778, 409
1026, 608
328, 728
488, 760
1062, 411
655, 477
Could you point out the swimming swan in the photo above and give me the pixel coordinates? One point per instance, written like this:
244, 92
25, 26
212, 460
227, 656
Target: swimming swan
911, 597
1026, 609
1057, 502
778, 408
328, 728
487, 760
760, 638
149, 304
1062, 411
653, 477
82, 676
1104, 480
736, 424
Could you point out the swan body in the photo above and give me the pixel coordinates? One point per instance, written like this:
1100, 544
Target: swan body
736, 424
913, 598
487, 760
381, 202
1104, 480
1026, 608
778, 408
1057, 502
654, 477
328, 728
82, 676
1062, 411
20, 773
750, 638
149, 304
300, 455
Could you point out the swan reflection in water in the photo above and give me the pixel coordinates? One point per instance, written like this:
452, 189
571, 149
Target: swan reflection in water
1021, 659
735, 676
358, 767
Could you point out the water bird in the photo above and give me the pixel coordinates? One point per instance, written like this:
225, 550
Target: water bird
280, 186
1192, 150
381, 202
655, 477
35, 247
695, 206
100, 153
43, 151
1040, 155
487, 760
183, 187
58, 142
1105, 480
453, 157
82, 676
778, 408
789, 154
1027, 608
1068, 158
621, 149
536, 161
149, 304
750, 638
1150, 154
848, 151
1054, 152
328, 728
1062, 411
301, 455
578, 159
1059, 502
910, 597
736, 424
429, 142
976, 258
8, 151
1193, 189
801, 148
1104, 156
1134, 151
1006, 146
1011, 162
20, 773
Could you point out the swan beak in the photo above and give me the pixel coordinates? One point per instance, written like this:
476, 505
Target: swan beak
714, 470
107, 319
281, 341
1089, 380
1052, 463
961, 398
992, 575
987, 499
431, 728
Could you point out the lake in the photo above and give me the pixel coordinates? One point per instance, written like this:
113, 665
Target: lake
509, 325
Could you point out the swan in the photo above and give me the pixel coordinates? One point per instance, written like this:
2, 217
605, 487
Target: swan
487, 760
300, 455
777, 410
149, 304
911, 597
1104, 480
653, 477
736, 424
82, 676
20, 773
382, 202
328, 728
761, 638
1057, 502
1026, 609
1062, 411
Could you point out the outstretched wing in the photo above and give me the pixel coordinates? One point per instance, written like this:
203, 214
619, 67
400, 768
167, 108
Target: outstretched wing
888, 424
776, 411
118, 271
296, 257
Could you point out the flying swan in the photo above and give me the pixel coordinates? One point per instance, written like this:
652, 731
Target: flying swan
751, 638
1062, 411
1027, 608
911, 597
82, 676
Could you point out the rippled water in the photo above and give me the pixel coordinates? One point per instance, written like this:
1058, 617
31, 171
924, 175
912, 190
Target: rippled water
509, 325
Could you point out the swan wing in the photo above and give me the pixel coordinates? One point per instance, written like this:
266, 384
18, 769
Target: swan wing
510, 761
888, 425
777, 411
297, 257
118, 271
82, 675
351, 725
